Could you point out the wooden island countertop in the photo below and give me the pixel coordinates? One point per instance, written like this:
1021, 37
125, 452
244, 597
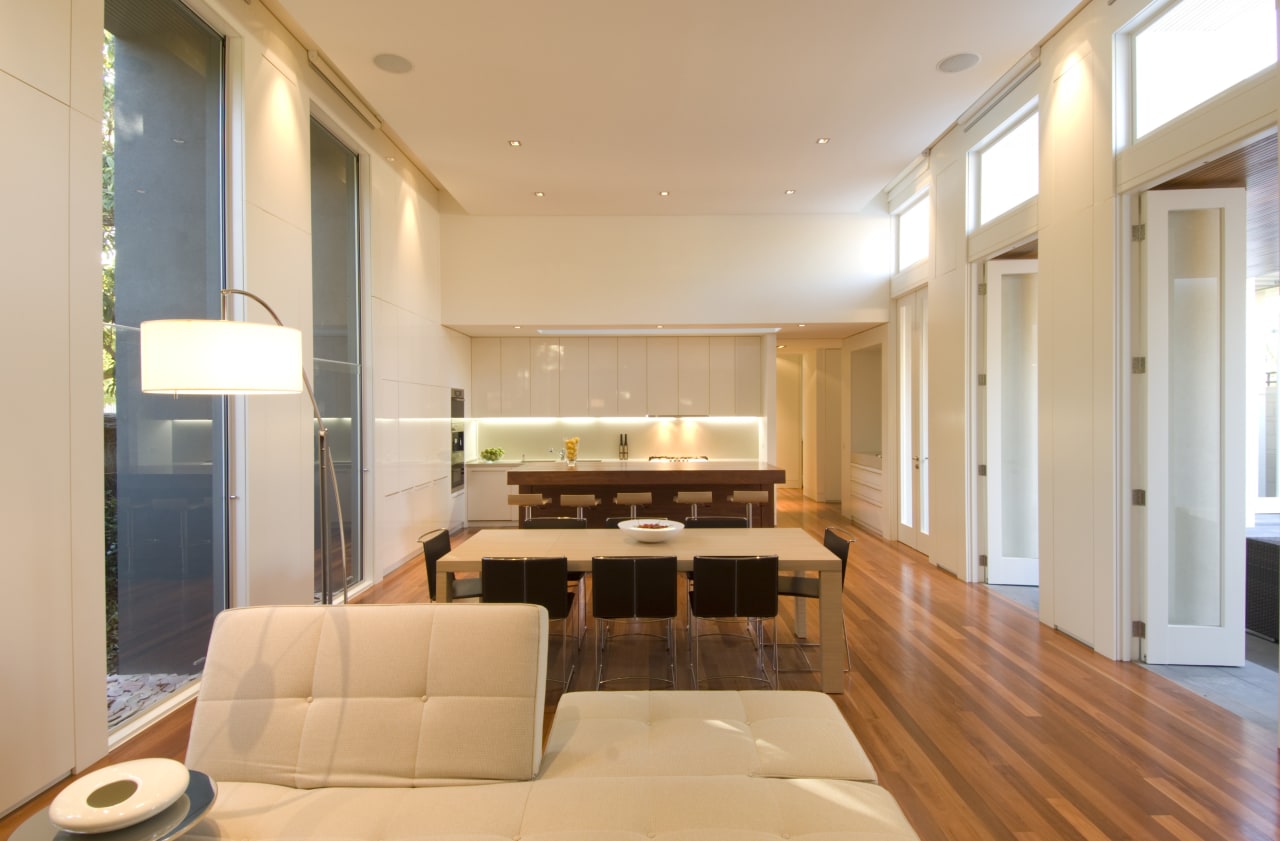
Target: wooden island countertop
662, 479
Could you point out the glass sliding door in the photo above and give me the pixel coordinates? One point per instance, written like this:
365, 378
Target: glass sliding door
162, 257
335, 266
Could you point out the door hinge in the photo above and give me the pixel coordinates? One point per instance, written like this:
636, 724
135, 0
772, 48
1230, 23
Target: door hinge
982, 289
1139, 496
982, 379
1139, 233
982, 560
1139, 365
982, 470
1140, 629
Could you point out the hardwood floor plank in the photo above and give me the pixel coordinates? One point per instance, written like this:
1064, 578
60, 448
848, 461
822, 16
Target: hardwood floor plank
984, 723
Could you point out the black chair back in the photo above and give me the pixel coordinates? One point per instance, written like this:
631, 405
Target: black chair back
633, 587
612, 522
435, 545
837, 541
735, 586
541, 581
554, 523
716, 522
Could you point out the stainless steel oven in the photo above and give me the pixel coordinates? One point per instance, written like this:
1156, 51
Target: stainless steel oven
457, 441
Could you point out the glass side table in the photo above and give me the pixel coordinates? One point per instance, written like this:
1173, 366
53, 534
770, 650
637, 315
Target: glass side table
171, 823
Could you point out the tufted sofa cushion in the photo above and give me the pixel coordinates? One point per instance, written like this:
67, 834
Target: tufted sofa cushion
372, 695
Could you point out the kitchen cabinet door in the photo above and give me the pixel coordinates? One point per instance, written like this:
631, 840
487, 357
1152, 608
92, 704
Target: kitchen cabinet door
515, 377
487, 491
574, 355
694, 374
485, 399
748, 387
662, 379
721, 357
544, 378
633, 359
602, 376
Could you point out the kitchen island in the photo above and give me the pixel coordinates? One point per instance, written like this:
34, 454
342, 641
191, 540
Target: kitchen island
662, 479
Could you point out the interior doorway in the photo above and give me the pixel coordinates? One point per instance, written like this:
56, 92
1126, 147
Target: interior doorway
1237, 420
913, 425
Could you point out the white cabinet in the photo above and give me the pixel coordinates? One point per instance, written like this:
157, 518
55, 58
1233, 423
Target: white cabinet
633, 366
515, 377
722, 388
574, 366
748, 374
663, 357
602, 376
616, 376
485, 399
487, 491
866, 491
544, 378
693, 375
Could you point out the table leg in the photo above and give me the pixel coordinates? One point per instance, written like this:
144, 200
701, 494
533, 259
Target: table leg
802, 622
442, 587
830, 607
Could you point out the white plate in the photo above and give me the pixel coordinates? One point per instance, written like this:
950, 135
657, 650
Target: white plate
643, 530
119, 795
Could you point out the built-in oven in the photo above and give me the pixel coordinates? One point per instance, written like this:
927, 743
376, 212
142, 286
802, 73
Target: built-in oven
457, 440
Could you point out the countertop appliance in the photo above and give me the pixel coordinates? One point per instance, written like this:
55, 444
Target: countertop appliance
457, 440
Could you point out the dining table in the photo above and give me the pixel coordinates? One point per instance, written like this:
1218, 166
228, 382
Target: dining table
797, 551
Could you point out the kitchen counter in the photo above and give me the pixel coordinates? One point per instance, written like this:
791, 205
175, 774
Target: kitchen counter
662, 479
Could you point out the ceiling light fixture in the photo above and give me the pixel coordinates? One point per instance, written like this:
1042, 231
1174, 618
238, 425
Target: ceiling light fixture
513, 143
663, 193
392, 63
791, 192
958, 63
823, 141
539, 193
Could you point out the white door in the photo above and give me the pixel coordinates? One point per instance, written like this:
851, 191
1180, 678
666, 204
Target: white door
913, 413
1012, 458
1195, 301
1263, 462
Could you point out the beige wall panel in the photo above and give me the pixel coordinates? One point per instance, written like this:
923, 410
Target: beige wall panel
86, 54
1067, 126
1106, 366
35, 47
411, 347
633, 270
386, 438
383, 359
277, 145
948, 424
37, 689
949, 216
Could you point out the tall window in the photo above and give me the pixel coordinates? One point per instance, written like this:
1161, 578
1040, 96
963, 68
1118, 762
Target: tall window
162, 257
1194, 50
1008, 169
912, 233
335, 267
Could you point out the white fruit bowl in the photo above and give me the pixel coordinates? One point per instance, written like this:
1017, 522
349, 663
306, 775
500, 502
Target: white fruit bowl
652, 530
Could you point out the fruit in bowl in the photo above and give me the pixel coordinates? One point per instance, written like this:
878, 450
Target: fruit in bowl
491, 453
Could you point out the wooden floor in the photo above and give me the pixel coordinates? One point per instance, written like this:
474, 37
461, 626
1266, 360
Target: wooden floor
984, 723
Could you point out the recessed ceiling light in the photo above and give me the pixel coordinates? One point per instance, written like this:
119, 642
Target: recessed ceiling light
659, 326
392, 63
663, 193
516, 327
802, 325
391, 158
823, 141
791, 192
513, 142
958, 63
539, 193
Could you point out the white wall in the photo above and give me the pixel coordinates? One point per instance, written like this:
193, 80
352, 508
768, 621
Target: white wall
53, 664
642, 271
50, 84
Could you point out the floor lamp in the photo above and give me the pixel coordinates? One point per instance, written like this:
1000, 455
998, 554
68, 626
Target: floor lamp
211, 357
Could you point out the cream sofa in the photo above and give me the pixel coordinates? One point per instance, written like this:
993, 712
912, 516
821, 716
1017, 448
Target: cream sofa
390, 722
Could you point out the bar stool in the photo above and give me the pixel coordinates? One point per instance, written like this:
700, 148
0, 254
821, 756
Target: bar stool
528, 502
579, 501
634, 500
693, 499
750, 499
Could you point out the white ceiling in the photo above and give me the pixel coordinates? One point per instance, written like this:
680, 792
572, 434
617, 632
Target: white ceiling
719, 102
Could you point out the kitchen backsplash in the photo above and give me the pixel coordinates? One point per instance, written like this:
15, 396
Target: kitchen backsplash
541, 438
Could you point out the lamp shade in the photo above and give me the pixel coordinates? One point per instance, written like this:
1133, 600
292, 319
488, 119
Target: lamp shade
188, 356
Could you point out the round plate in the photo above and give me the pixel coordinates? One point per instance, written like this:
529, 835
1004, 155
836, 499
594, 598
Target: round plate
119, 795
653, 530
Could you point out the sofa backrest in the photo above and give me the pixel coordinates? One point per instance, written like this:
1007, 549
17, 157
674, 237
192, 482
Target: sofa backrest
372, 695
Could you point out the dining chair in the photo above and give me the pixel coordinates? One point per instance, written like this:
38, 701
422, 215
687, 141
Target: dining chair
735, 587
717, 521
636, 589
837, 540
535, 580
435, 545
575, 578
